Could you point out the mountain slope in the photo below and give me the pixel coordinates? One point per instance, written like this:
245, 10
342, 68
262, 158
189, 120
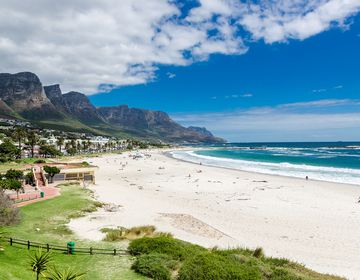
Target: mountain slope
23, 96
152, 123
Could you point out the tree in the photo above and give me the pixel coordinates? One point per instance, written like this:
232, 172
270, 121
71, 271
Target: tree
14, 174
29, 178
11, 184
33, 140
49, 151
60, 142
8, 151
40, 261
52, 171
71, 151
19, 135
64, 274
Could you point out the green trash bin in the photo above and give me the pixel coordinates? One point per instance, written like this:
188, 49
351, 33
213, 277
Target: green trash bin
71, 247
42, 194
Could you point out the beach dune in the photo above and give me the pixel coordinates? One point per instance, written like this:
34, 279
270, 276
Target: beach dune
312, 222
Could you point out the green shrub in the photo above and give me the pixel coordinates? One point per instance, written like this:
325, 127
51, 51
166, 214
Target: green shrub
154, 265
258, 253
176, 249
216, 267
40, 161
283, 274
277, 261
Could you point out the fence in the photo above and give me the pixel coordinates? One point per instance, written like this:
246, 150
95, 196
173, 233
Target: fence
65, 249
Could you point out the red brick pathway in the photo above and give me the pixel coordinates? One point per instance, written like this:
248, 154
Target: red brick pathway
49, 192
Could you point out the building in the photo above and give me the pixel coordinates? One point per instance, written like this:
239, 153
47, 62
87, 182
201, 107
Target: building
68, 172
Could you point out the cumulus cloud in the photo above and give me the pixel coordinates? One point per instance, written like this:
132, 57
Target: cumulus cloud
278, 21
96, 45
305, 121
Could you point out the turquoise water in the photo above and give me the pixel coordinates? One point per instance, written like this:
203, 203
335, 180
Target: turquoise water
336, 162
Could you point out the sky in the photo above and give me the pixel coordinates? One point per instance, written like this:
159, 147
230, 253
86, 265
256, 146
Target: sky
247, 70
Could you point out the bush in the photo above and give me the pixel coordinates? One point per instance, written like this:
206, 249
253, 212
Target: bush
154, 265
216, 267
258, 253
176, 249
8, 213
14, 174
40, 161
29, 178
283, 274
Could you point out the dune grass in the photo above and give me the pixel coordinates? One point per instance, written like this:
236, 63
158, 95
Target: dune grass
46, 222
121, 233
166, 258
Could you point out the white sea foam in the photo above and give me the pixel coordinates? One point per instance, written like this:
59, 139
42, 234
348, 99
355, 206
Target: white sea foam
331, 174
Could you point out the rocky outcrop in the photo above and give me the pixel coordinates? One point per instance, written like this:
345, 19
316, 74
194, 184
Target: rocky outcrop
153, 123
74, 104
24, 94
201, 130
78, 105
55, 95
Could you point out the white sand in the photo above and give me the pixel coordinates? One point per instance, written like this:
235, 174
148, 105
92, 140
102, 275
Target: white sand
314, 223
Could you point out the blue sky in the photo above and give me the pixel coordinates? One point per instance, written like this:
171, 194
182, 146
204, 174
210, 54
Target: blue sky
321, 68
248, 70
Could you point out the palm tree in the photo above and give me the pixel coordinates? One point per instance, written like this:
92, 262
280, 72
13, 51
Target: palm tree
65, 274
40, 262
18, 135
33, 139
60, 142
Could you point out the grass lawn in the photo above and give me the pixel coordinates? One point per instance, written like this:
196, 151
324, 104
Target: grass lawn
46, 222
18, 164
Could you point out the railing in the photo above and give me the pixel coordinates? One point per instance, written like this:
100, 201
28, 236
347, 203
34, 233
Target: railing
65, 249
42, 173
36, 181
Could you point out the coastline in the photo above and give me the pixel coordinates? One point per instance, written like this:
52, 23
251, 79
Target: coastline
317, 220
167, 154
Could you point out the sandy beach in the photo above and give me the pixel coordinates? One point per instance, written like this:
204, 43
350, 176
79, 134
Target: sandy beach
311, 222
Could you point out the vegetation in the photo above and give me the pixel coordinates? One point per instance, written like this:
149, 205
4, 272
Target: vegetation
122, 233
8, 213
167, 258
156, 266
52, 171
50, 226
39, 262
14, 174
64, 274
8, 151
33, 139
49, 151
11, 184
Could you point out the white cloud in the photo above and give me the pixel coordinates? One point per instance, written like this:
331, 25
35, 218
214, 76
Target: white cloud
277, 21
171, 75
84, 44
319, 90
247, 95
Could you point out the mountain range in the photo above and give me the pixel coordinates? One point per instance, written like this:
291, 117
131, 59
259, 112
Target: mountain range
22, 96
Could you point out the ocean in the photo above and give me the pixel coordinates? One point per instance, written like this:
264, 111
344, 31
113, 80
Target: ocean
327, 161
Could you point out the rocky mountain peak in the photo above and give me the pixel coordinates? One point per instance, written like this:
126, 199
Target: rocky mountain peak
23, 93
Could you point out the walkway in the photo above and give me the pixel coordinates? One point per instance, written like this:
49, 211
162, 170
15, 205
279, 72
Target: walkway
49, 192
